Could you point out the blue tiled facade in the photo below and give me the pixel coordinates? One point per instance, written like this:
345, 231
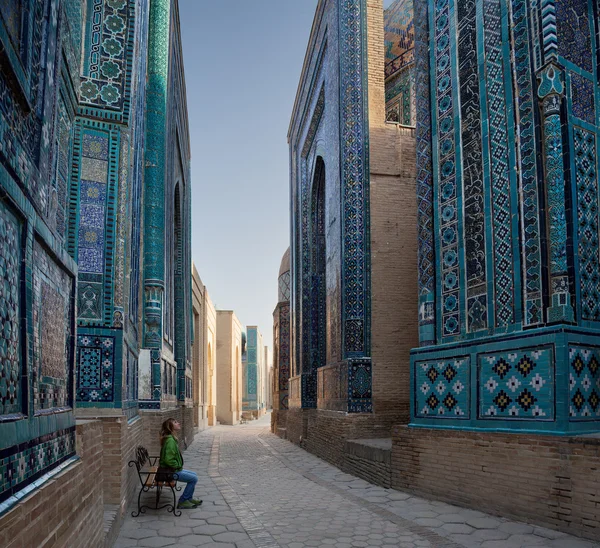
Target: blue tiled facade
330, 306
39, 77
165, 265
251, 364
107, 137
75, 290
507, 163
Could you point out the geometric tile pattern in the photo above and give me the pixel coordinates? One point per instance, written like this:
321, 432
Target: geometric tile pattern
52, 318
582, 96
22, 464
95, 368
528, 177
356, 308
284, 347
499, 166
252, 365
426, 256
443, 388
584, 383
399, 94
573, 32
517, 384
360, 392
104, 64
399, 36
447, 188
10, 311
284, 287
586, 183
472, 169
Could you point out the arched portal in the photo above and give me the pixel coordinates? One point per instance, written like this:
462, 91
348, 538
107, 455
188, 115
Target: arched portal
318, 261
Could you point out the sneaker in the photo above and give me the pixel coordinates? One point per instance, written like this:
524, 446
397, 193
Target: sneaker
196, 502
186, 505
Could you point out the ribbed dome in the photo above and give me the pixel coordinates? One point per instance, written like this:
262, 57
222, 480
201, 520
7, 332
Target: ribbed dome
285, 262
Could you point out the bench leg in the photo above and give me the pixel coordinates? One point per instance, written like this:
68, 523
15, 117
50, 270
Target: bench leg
136, 514
158, 490
174, 507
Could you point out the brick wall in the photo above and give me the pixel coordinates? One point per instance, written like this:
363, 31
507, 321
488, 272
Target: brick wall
393, 206
369, 460
67, 510
324, 433
152, 422
551, 481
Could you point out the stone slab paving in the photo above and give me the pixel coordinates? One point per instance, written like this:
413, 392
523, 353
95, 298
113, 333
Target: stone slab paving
264, 492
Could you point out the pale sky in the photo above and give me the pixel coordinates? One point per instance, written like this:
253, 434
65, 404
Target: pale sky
242, 65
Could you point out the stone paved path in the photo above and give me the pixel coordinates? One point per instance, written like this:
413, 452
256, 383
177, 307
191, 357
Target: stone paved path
261, 491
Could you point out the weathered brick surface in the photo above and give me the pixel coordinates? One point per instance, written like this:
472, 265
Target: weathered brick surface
152, 422
66, 511
324, 433
369, 460
551, 481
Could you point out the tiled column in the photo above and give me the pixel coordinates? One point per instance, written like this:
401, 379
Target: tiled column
551, 92
154, 183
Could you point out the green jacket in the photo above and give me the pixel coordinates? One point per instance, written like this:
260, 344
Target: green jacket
170, 456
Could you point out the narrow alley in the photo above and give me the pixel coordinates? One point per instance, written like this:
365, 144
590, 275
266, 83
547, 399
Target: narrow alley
259, 490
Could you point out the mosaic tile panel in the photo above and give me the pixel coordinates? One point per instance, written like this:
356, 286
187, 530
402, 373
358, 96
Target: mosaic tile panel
573, 32
501, 175
584, 382
517, 384
586, 181
445, 157
95, 368
12, 13
582, 98
354, 175
59, 191
399, 36
92, 210
472, 169
399, 96
528, 177
22, 464
284, 347
105, 69
443, 388
360, 389
426, 255
52, 332
10, 312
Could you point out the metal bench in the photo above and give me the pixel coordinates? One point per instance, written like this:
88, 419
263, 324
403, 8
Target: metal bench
147, 469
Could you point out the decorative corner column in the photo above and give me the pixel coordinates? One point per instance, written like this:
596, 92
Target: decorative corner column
426, 256
356, 263
551, 93
154, 184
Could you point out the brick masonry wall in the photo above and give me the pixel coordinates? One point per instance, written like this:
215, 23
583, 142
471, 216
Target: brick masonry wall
324, 433
393, 210
68, 509
551, 481
152, 422
378, 473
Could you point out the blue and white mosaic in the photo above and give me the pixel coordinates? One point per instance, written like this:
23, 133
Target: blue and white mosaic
584, 382
443, 388
517, 385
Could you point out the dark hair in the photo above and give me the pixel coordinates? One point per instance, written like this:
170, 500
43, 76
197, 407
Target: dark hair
167, 430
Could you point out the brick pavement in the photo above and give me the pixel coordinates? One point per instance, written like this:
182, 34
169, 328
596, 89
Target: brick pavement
261, 491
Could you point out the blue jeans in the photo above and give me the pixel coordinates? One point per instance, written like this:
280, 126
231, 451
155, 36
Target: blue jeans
190, 478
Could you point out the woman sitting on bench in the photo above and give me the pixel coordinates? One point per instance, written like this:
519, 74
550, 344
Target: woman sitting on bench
171, 462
